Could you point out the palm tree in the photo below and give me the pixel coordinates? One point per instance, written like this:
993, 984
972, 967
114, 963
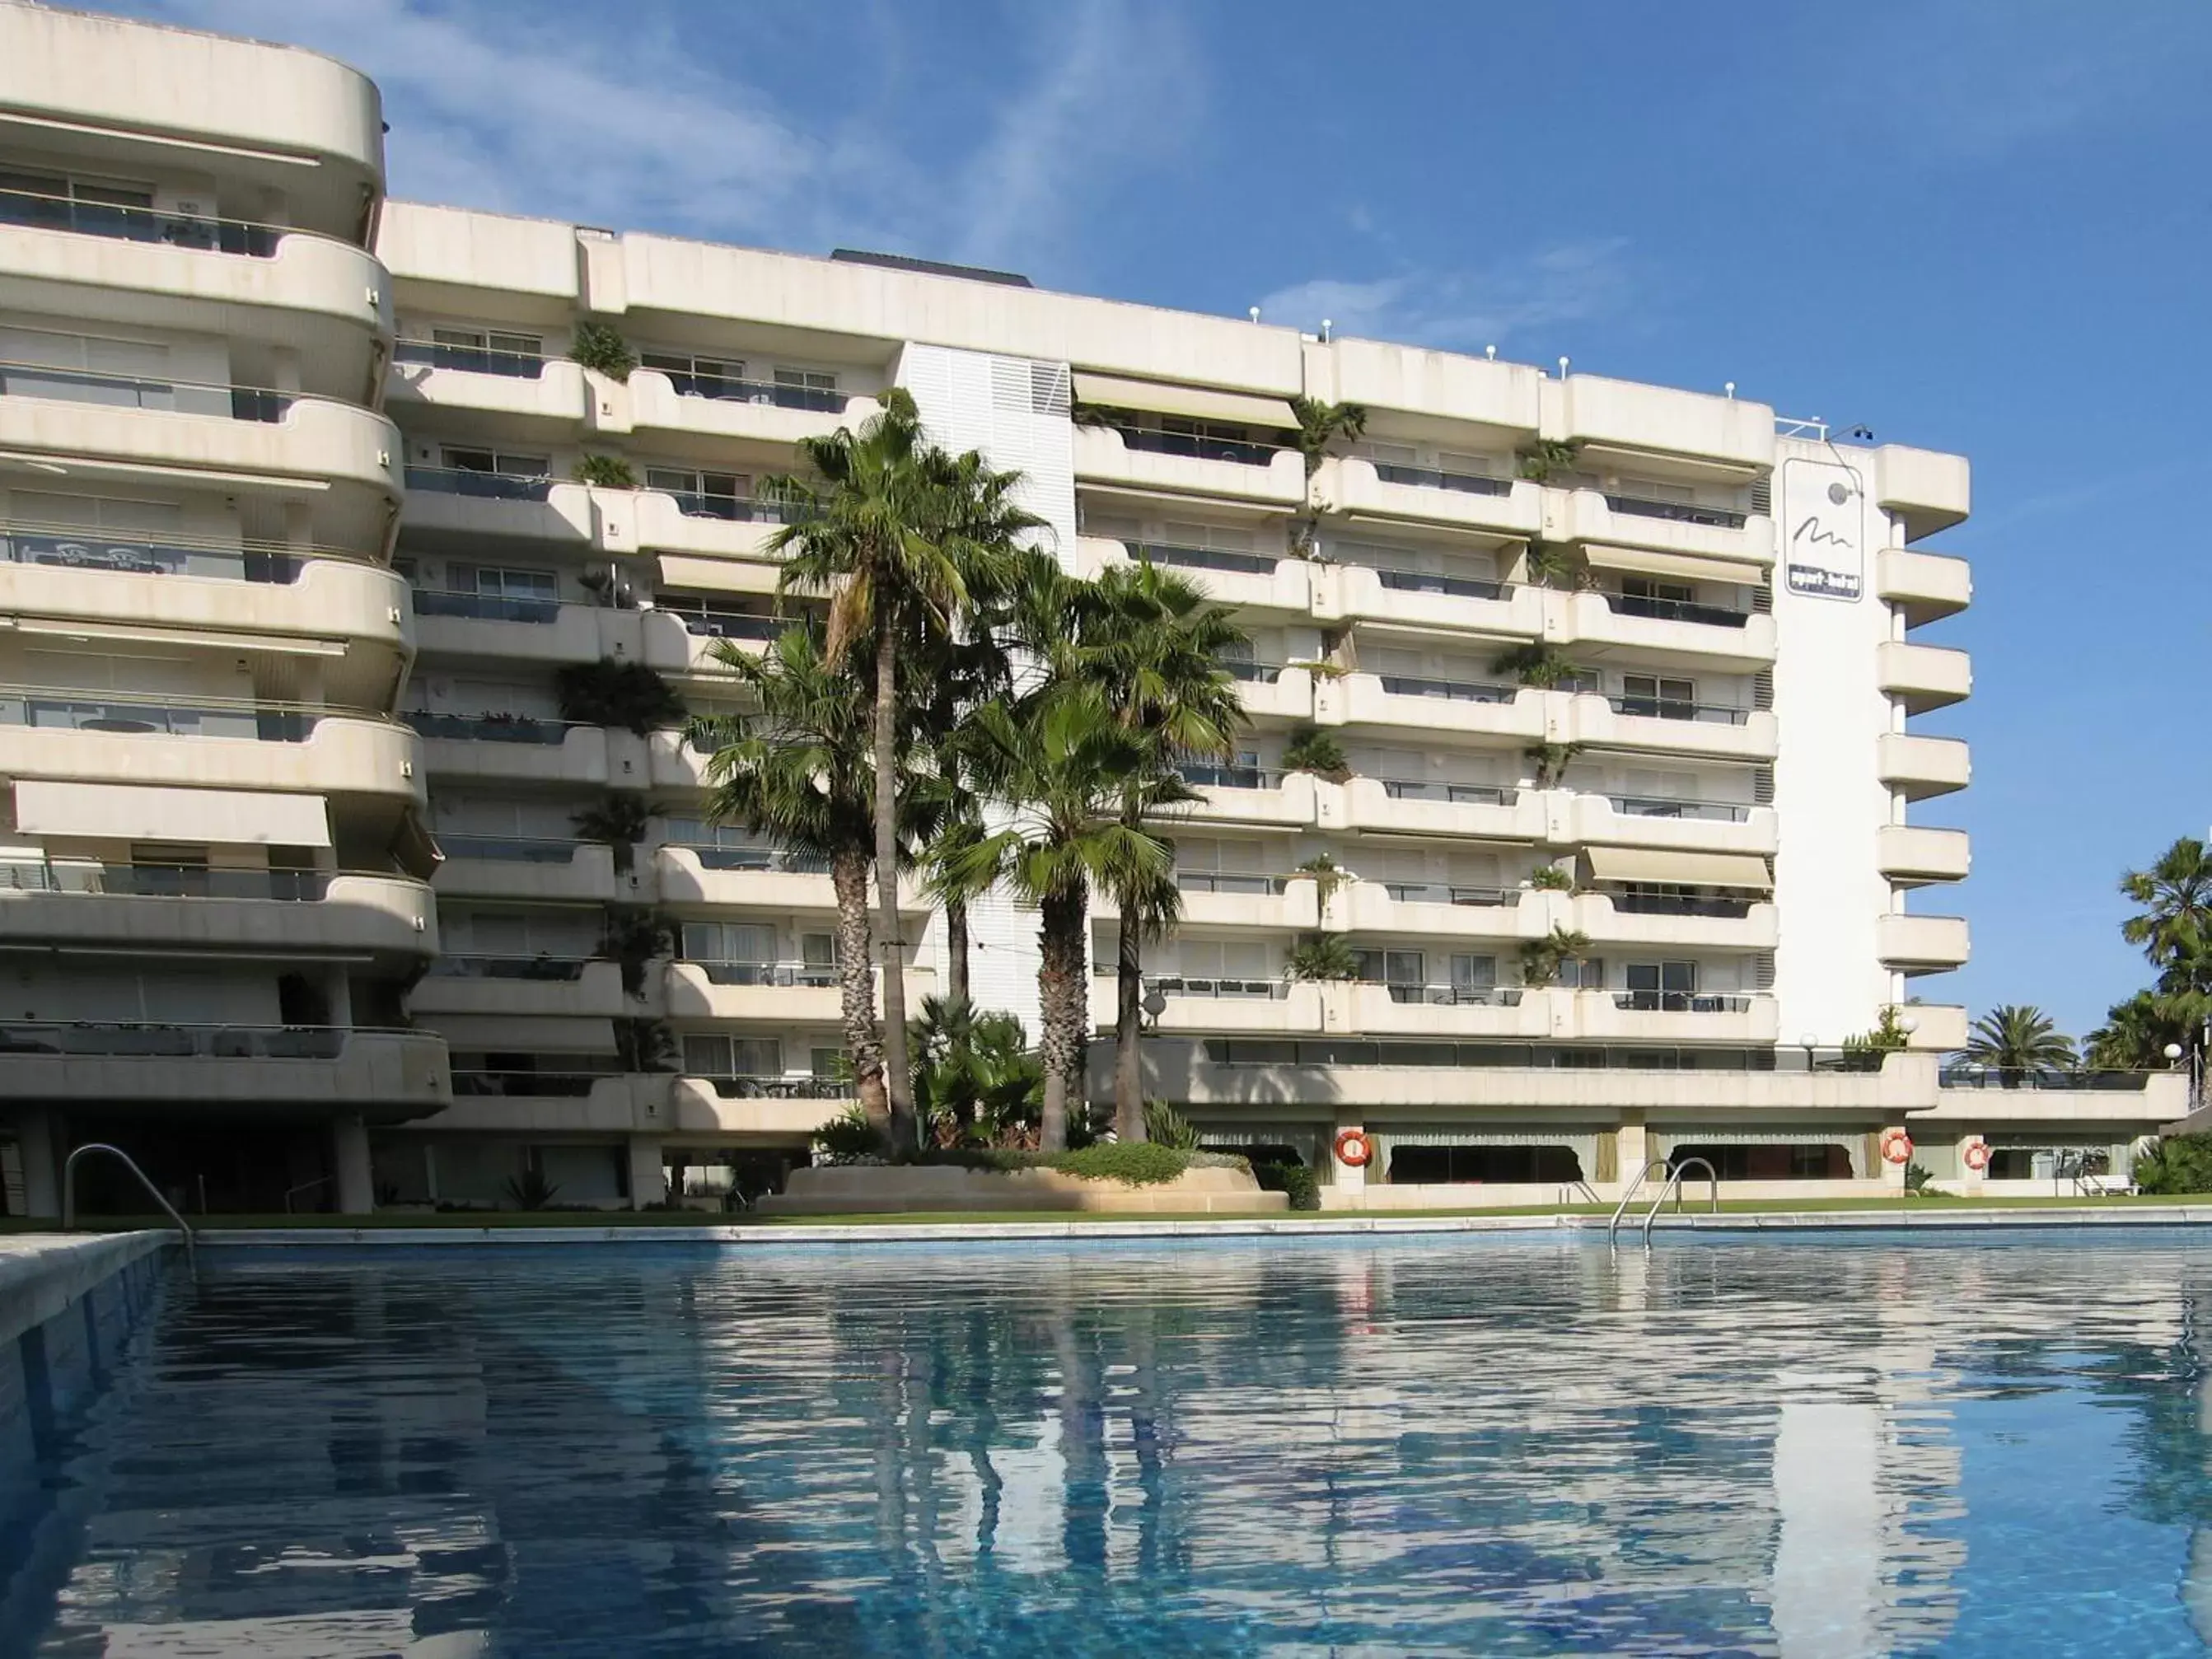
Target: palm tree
900, 536
801, 772
2015, 1039
1079, 790
1542, 960
2174, 927
2136, 1033
1320, 426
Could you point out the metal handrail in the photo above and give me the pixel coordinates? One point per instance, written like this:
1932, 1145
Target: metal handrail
1674, 1186
290, 1193
1612, 1221
69, 1193
1588, 1193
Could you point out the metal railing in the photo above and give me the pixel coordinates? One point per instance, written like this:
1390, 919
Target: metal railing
470, 360
776, 860
31, 541
1199, 447
1245, 990
1463, 588
1226, 881
1682, 1002
1677, 708
512, 849
1458, 794
1206, 776
485, 607
754, 1086
810, 974
1715, 518
1666, 806
1451, 996
69, 1193
1438, 892
489, 728
1679, 904
1252, 673
70, 708
162, 881
1430, 477
149, 1039
84, 385
720, 388
730, 624
480, 485
733, 509
1400, 685
1674, 1186
124, 222
542, 967
1206, 559
1682, 610
1973, 1074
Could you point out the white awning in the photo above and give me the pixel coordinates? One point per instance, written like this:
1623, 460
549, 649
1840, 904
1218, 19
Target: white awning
222, 818
1695, 566
1198, 402
1681, 869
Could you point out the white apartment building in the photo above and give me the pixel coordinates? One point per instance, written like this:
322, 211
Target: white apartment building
327, 886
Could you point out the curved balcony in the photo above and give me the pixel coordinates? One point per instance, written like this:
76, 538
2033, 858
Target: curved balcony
1440, 910
771, 993
1269, 691
673, 763
668, 406
456, 503
1415, 599
1938, 1028
1923, 676
1910, 854
1202, 1007
1247, 581
72, 734
1929, 491
1362, 488
1210, 898
757, 878
523, 867
505, 395
1250, 795
1265, 476
688, 643
1698, 921
542, 987
1922, 944
82, 904
1730, 640
512, 747
1669, 726
1490, 813
1400, 702
386, 1076
481, 626
1920, 767
1583, 820
327, 301
1617, 520
338, 458
711, 526
1924, 587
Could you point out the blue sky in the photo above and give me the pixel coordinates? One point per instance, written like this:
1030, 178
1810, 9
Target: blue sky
1975, 227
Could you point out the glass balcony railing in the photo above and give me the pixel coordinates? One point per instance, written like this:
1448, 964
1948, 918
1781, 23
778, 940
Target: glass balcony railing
486, 607
471, 359
822, 400
734, 509
146, 1039
768, 859
1637, 507
489, 728
1665, 806
1682, 610
1964, 1073
1405, 685
1677, 708
730, 624
802, 974
1252, 673
143, 555
89, 711
162, 881
526, 1084
512, 849
1452, 996
1681, 1002
1225, 881
540, 967
480, 485
1456, 794
1438, 892
1199, 447
1204, 777
755, 1087
1681, 904
1460, 587
84, 386
1430, 477
132, 221
1239, 990
1207, 558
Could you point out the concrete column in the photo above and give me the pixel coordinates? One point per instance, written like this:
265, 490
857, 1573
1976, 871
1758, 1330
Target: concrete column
337, 991
1633, 1145
355, 1181
35, 1137
1893, 1174
648, 1183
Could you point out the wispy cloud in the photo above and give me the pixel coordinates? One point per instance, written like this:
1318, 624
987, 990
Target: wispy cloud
1570, 282
614, 117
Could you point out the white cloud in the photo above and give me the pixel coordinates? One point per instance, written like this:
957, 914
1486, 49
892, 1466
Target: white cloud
1466, 310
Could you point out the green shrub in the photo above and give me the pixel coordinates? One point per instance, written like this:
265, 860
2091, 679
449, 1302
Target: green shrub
2181, 1164
1166, 1127
1294, 1179
530, 1190
1552, 878
1320, 956
1312, 750
1916, 1177
628, 695
608, 472
601, 347
1138, 1164
849, 1137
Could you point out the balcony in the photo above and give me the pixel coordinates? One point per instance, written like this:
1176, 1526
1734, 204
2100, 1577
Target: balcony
387, 1076
746, 411
1585, 820
756, 878
1217, 898
1674, 1017
1922, 944
557, 1102
1440, 1010
1706, 919
782, 1108
1737, 640
1426, 601
1250, 1007
1923, 676
478, 627
712, 527
1362, 488
673, 763
772, 993
1930, 492
1439, 909
85, 904
1489, 812
131, 739
688, 641
512, 747
1163, 464
525, 867
570, 987
1721, 731
1918, 767
1588, 516
503, 394
1249, 794
1270, 691
1247, 581
1909, 853
326, 299
1939, 1028
463, 504
1924, 586
1630, 416
2131, 1102
1403, 702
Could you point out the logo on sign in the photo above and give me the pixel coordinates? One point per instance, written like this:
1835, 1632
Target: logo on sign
1823, 558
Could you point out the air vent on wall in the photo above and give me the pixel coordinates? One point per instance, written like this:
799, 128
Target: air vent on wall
1762, 689
1762, 495
1762, 785
1762, 972
1762, 598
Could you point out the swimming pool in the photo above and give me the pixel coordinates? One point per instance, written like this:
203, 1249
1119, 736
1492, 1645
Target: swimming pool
1494, 1445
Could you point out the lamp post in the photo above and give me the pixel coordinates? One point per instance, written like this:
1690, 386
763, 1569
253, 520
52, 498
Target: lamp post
1809, 1040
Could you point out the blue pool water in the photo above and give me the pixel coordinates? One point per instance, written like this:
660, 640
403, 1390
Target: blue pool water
1486, 1446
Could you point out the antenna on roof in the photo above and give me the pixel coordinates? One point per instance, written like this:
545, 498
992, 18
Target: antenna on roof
1254, 313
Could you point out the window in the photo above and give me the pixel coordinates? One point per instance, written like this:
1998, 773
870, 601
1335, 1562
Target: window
698, 377
827, 1062
729, 941
717, 1055
505, 463
1668, 985
818, 952
503, 582
1643, 587
705, 495
1583, 974
1658, 699
808, 388
99, 208
1473, 977
478, 351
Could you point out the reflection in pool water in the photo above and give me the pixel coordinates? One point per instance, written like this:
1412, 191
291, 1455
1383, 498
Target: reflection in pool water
1485, 1446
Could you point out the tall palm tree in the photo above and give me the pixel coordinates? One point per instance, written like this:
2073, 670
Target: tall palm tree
1065, 770
2015, 1039
898, 534
801, 772
2174, 927
2136, 1033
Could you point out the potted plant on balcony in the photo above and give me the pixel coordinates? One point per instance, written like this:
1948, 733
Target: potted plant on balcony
1547, 456
607, 472
1539, 665
1552, 878
618, 820
634, 935
1310, 749
600, 348
1322, 957
625, 695
1542, 960
1548, 762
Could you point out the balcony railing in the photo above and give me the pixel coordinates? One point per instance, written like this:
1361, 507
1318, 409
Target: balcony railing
1400, 685
774, 860
1681, 1002
489, 728
486, 607
163, 881
1252, 673
823, 400
1430, 477
82, 385
127, 222
1207, 558
1973, 1074
812, 974
1665, 806
1460, 587
1199, 447
1450, 996
480, 485
1340, 1053
1438, 892
526, 1084
1675, 708
1458, 794
471, 359
74, 547
1717, 517
1225, 881
730, 624
753, 1087
1203, 776
735, 509
541, 967
71, 709
1679, 904
512, 849
147, 1040
1681, 610
1241, 990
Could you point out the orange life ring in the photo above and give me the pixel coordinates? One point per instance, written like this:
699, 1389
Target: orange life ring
1977, 1155
1353, 1149
1896, 1146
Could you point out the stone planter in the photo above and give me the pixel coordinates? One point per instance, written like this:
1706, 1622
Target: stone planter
868, 1190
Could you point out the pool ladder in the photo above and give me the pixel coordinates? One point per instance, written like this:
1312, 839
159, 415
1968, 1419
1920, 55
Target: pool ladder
69, 1194
1671, 1189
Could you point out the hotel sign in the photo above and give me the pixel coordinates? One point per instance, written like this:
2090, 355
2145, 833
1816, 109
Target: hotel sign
1824, 523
